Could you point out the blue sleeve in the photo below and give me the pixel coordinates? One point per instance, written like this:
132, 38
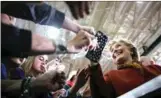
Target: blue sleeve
3, 71
17, 73
41, 13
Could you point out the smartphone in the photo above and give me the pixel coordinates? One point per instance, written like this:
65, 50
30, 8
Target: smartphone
95, 55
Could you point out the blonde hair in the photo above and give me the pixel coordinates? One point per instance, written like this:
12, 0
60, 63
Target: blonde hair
27, 66
134, 52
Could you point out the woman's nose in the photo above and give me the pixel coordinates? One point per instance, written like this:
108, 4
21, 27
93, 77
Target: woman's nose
43, 63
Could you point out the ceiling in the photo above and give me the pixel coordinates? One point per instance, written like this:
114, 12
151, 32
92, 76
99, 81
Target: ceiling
139, 22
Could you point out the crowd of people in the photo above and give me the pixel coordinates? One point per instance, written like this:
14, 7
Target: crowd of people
24, 57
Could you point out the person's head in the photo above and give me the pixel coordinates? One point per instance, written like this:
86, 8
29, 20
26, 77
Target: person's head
146, 61
35, 65
8, 19
123, 52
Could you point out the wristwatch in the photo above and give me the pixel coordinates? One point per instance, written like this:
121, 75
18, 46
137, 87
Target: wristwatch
94, 64
60, 48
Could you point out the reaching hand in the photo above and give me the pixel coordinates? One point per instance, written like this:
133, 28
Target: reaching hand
50, 81
82, 39
90, 30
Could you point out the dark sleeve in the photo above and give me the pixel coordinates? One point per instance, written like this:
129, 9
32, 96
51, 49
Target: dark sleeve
41, 13
15, 41
100, 88
18, 42
17, 73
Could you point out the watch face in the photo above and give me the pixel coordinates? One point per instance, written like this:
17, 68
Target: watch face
94, 64
60, 49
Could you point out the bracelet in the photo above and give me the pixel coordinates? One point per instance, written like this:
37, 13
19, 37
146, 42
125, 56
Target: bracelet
25, 88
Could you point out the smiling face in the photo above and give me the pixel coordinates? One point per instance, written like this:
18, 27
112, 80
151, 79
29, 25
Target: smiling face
121, 53
40, 63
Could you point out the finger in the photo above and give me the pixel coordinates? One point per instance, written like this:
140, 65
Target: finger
89, 35
86, 48
83, 43
87, 76
90, 30
89, 43
78, 71
87, 7
74, 9
81, 9
85, 70
85, 34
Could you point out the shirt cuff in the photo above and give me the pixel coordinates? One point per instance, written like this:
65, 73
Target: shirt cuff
58, 19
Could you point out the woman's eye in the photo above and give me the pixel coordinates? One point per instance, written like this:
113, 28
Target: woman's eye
46, 62
111, 50
41, 58
118, 45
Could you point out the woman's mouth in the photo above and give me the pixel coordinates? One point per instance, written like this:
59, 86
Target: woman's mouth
42, 69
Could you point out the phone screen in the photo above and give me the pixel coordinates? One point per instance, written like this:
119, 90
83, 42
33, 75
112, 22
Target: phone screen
94, 55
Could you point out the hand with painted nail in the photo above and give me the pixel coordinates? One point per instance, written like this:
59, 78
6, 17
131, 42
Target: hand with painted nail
81, 40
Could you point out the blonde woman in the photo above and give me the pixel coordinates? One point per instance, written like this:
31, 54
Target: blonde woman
35, 65
129, 74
